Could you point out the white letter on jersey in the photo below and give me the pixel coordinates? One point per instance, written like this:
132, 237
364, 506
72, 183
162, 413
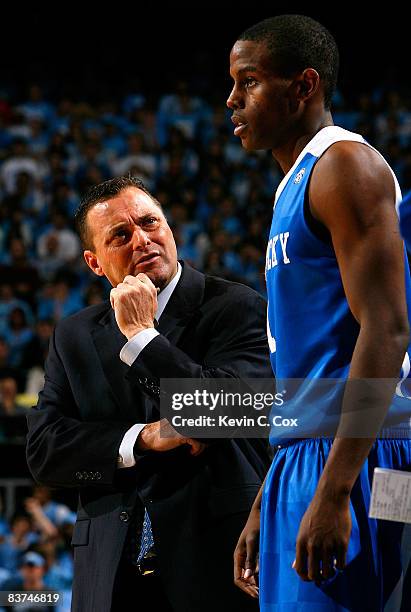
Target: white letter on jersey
268, 256
283, 240
273, 253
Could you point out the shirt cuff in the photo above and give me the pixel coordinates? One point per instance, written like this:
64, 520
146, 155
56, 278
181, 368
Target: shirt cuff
126, 457
132, 349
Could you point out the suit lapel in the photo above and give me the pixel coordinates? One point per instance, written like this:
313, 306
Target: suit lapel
186, 298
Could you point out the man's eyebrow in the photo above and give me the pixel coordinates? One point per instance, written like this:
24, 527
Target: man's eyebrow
126, 224
248, 68
147, 216
116, 227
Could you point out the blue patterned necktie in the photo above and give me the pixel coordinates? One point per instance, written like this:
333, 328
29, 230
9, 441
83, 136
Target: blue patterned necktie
147, 541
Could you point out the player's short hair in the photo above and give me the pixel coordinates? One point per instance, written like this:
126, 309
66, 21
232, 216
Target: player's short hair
297, 42
101, 193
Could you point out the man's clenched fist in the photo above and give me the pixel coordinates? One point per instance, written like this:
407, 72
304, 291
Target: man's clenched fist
135, 304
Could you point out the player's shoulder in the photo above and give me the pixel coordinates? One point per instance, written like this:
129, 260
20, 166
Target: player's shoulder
347, 158
350, 170
351, 181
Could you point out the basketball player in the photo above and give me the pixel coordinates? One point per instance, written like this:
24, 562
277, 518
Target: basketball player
337, 309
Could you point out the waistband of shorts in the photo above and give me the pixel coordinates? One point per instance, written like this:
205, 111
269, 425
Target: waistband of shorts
399, 432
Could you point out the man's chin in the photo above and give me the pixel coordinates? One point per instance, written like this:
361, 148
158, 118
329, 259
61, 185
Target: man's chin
158, 276
249, 145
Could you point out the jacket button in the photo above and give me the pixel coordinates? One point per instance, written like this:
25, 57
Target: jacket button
124, 516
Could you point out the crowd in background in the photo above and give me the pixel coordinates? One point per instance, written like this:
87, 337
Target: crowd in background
35, 551
217, 198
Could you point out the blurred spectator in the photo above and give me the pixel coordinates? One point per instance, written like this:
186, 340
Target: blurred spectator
9, 407
68, 244
31, 578
4, 354
20, 160
138, 158
4, 531
60, 300
20, 226
9, 302
16, 543
183, 110
35, 355
59, 561
180, 217
59, 514
113, 141
36, 107
64, 199
60, 122
17, 335
229, 219
12, 414
252, 266
90, 162
146, 120
40, 521
51, 260
17, 271
26, 196
4, 526
39, 137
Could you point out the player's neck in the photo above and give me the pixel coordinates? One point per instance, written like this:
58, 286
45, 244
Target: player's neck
299, 138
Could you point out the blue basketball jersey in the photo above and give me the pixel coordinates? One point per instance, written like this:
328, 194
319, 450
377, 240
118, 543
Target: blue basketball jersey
311, 330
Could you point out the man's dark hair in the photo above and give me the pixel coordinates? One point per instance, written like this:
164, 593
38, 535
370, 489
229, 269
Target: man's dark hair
100, 193
297, 42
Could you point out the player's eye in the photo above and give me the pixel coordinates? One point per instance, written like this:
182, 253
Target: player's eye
249, 82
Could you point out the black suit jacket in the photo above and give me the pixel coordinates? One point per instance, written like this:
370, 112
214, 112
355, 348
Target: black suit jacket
198, 505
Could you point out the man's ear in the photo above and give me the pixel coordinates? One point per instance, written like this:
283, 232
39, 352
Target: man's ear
93, 263
308, 84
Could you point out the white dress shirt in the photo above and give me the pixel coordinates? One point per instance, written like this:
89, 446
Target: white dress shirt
129, 353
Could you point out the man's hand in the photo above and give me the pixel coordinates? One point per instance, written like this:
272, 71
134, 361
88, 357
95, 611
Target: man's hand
135, 304
323, 538
161, 436
246, 555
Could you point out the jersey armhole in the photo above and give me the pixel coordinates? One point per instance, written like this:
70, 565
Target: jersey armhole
316, 227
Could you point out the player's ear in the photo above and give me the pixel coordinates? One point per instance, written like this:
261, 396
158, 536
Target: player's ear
93, 262
307, 84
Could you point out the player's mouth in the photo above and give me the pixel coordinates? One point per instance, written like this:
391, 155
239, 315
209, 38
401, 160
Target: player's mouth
240, 125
